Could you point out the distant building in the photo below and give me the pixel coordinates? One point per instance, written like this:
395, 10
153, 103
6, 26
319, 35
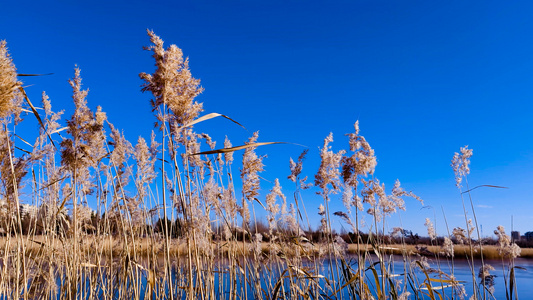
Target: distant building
515, 235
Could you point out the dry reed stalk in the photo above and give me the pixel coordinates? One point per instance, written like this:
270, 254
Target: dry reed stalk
194, 248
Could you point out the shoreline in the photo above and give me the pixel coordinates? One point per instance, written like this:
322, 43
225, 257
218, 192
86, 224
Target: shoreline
146, 247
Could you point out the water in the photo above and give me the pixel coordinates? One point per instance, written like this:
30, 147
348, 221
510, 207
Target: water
267, 276
396, 266
524, 277
461, 271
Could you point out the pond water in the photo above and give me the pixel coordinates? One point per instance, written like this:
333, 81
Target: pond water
523, 275
267, 276
462, 272
395, 264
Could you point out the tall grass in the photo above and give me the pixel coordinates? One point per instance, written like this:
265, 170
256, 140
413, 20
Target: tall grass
172, 221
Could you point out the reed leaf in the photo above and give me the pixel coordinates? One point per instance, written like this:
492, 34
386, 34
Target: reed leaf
36, 114
376, 280
354, 278
278, 285
59, 130
427, 283
208, 117
28, 75
23, 140
232, 149
485, 185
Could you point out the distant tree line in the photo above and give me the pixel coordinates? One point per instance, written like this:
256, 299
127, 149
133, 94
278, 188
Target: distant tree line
31, 224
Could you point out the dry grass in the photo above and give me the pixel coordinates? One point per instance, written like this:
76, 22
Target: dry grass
460, 251
128, 250
144, 247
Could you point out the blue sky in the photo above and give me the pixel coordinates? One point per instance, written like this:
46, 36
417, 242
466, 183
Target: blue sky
423, 78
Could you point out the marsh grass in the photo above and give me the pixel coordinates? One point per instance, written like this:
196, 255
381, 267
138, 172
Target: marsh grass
170, 219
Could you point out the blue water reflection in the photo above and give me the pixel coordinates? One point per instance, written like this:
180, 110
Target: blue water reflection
262, 280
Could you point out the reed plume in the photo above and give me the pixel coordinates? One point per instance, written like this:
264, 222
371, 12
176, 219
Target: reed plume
10, 95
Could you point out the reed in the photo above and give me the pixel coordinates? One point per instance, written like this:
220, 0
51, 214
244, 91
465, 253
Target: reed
169, 219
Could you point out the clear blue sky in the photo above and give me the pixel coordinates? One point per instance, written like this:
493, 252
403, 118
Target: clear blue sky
423, 78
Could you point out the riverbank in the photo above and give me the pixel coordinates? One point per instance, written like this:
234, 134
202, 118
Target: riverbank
145, 247
460, 251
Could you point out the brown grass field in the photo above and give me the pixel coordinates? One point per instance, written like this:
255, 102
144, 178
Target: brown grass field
144, 247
